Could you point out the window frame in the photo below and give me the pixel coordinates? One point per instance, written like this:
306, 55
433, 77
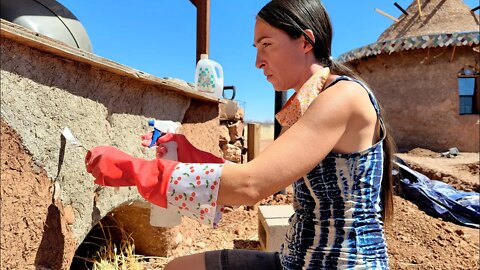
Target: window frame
476, 89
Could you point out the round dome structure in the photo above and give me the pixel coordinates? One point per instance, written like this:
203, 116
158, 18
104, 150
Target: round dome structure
417, 70
451, 16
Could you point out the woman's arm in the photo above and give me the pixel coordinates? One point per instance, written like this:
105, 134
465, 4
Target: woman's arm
297, 151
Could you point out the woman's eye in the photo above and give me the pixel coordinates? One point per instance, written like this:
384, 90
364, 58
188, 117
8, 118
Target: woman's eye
266, 45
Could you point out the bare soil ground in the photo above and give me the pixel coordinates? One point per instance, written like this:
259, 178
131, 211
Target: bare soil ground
416, 240
461, 172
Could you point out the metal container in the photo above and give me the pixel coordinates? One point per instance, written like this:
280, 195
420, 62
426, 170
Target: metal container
49, 18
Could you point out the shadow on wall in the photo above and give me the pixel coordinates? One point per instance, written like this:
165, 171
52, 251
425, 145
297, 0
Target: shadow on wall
105, 234
51, 249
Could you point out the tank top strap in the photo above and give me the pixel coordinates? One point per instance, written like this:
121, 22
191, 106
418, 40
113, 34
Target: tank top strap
370, 95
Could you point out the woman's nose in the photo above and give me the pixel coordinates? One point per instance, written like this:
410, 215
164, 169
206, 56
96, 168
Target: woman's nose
259, 61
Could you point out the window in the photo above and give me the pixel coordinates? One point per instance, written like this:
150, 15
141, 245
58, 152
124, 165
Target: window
468, 91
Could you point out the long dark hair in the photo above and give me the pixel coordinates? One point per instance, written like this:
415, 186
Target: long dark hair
295, 16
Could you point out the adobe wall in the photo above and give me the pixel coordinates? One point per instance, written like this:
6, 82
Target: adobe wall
419, 92
48, 201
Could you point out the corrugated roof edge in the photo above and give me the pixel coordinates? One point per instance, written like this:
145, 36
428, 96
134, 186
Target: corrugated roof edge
32, 39
409, 43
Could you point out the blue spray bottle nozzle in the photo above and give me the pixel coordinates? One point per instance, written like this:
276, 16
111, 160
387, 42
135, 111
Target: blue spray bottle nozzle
160, 127
156, 133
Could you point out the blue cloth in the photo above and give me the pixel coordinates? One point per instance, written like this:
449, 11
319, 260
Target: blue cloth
438, 198
337, 221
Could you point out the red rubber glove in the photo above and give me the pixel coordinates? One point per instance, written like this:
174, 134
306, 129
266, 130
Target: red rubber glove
112, 167
186, 152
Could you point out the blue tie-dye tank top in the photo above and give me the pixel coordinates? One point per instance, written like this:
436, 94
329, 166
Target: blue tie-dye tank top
337, 221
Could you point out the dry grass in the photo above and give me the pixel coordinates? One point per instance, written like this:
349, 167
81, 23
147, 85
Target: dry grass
111, 257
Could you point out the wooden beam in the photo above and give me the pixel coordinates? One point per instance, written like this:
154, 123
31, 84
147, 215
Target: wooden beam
386, 15
253, 140
453, 53
203, 27
419, 8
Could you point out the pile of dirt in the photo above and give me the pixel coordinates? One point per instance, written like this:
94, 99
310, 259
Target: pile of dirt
473, 168
421, 152
419, 241
415, 239
278, 199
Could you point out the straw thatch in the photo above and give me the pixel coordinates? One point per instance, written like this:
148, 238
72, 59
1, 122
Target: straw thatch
438, 16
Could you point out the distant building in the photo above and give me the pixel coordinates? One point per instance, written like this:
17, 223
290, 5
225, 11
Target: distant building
425, 71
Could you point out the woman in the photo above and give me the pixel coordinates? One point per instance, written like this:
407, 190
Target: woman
334, 149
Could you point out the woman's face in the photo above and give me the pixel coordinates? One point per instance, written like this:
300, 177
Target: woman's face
281, 58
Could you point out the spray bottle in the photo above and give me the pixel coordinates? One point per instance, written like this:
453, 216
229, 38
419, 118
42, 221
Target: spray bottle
164, 217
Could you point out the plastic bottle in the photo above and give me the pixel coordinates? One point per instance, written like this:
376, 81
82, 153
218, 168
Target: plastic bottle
209, 77
161, 217
162, 126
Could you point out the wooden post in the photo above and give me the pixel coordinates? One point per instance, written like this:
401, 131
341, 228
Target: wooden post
419, 8
203, 26
386, 14
253, 139
453, 53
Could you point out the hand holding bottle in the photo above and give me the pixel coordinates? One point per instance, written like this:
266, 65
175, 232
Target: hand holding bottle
186, 152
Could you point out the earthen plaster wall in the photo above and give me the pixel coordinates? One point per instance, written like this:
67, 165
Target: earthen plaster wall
419, 91
41, 94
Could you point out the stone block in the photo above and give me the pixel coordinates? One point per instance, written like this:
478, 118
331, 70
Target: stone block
240, 114
273, 225
235, 131
232, 153
228, 110
224, 135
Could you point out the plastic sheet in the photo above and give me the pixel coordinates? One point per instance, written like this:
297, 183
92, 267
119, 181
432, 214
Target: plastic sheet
439, 199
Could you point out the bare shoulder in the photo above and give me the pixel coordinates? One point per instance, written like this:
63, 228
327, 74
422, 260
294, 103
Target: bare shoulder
347, 92
347, 108
345, 98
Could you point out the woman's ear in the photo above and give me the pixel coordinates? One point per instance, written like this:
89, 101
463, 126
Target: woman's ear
307, 45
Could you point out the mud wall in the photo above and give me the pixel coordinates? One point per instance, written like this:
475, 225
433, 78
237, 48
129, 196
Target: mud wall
419, 92
48, 201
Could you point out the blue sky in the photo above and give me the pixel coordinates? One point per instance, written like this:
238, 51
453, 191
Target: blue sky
159, 37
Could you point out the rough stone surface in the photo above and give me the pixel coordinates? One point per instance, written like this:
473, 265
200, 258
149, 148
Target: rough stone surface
201, 126
240, 115
236, 131
419, 93
41, 95
228, 110
232, 153
232, 131
224, 135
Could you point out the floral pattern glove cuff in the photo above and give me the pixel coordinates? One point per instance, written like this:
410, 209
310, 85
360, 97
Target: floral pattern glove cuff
193, 191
